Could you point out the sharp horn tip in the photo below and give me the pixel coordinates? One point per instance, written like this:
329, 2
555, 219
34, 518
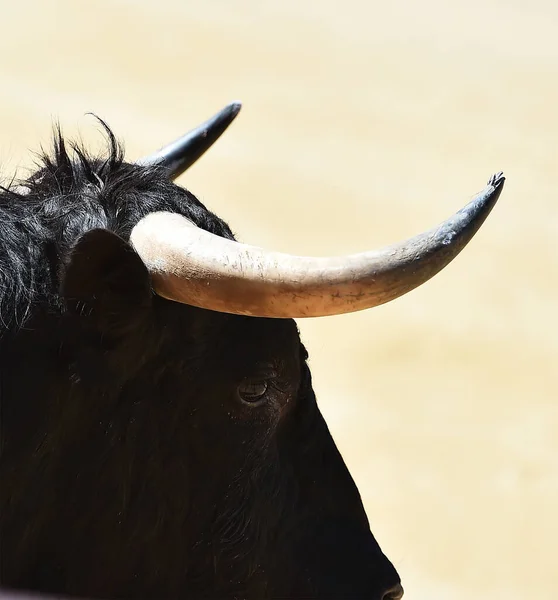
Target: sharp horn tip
497, 180
234, 107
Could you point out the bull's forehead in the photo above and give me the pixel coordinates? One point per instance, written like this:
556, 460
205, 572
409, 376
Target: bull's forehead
229, 342
248, 343
269, 336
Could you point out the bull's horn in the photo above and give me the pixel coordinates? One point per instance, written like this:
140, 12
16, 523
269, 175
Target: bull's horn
195, 267
185, 151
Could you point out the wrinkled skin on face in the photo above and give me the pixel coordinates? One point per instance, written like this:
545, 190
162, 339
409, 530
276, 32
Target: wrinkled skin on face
152, 449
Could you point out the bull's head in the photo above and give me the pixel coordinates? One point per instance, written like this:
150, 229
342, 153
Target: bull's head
175, 448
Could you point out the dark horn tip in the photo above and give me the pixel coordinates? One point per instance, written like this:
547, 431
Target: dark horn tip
228, 114
181, 154
235, 107
497, 180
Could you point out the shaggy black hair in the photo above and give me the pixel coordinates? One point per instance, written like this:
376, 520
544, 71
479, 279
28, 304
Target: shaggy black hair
67, 196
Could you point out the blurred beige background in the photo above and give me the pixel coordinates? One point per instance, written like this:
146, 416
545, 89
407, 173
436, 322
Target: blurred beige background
364, 122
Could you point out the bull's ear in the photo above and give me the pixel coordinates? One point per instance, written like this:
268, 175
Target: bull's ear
106, 280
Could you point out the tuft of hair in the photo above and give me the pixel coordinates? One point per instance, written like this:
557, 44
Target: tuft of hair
70, 193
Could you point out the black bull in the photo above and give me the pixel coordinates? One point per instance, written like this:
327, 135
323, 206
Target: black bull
155, 449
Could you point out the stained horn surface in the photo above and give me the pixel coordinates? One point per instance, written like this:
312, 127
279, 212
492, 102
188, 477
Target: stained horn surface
195, 267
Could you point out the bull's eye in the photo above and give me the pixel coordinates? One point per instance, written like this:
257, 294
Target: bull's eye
252, 390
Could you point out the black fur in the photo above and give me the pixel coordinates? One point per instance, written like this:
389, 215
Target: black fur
65, 198
131, 466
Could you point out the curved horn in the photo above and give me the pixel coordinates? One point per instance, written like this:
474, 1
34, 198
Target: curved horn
185, 151
195, 267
